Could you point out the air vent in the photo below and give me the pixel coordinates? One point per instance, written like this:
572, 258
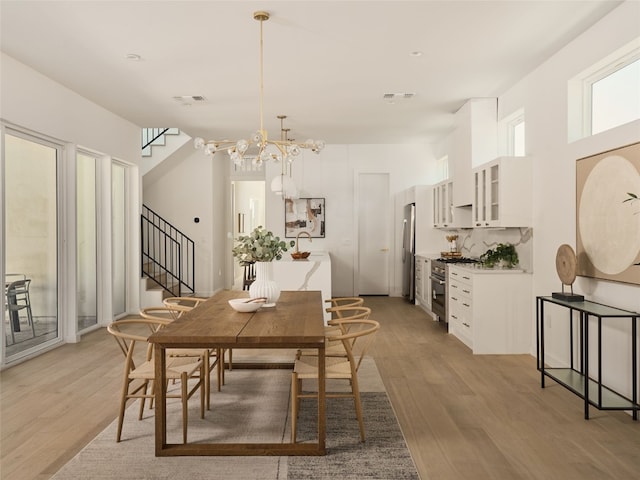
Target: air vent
189, 99
396, 96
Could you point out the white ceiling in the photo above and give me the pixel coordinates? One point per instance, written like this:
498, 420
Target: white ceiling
327, 64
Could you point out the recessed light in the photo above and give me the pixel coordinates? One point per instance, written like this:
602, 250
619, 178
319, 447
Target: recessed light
134, 57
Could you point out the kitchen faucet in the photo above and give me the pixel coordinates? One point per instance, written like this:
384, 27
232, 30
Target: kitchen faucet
307, 234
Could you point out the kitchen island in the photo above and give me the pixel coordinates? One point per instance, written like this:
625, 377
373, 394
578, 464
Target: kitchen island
312, 273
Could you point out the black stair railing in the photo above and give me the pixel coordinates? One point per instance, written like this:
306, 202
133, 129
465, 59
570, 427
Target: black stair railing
150, 135
167, 254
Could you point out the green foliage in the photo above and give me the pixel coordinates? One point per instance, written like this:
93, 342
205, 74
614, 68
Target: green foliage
259, 246
503, 252
632, 198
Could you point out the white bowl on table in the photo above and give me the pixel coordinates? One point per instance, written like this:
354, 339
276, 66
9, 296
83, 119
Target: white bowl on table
246, 304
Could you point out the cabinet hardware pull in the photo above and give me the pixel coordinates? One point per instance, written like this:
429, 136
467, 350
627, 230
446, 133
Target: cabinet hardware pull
466, 291
465, 304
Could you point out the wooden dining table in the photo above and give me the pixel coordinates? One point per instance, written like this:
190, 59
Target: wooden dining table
296, 321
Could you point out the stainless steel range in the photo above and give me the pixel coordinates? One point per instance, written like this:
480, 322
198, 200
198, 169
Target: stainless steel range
439, 286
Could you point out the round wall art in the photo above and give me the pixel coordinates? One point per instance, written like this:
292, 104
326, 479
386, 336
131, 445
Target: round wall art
608, 227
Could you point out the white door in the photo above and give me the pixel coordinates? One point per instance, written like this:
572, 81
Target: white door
373, 234
248, 207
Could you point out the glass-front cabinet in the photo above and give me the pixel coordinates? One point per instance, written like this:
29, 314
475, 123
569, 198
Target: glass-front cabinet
503, 193
443, 204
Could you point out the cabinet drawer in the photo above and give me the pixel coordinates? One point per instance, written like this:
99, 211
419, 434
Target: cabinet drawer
458, 289
460, 276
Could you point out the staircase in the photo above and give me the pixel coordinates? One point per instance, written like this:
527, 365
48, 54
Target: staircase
167, 255
155, 137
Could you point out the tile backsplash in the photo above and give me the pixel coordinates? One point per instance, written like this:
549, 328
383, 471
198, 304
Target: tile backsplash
473, 243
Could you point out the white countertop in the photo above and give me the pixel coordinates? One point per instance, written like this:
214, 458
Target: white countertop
477, 268
319, 256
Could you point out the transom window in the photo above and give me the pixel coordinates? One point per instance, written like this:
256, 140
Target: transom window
615, 97
605, 95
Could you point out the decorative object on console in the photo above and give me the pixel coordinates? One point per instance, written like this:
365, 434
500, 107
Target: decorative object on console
607, 221
259, 148
261, 247
566, 267
452, 239
298, 255
504, 254
304, 215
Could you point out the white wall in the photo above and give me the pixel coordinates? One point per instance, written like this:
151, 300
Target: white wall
543, 94
35, 103
332, 175
196, 187
31, 100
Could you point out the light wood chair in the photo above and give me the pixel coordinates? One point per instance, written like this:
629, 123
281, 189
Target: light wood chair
128, 334
337, 327
337, 368
344, 302
184, 304
210, 357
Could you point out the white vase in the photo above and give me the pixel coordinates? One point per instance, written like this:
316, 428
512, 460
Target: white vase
264, 285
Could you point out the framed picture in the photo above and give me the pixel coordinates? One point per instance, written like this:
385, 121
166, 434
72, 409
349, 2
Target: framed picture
608, 215
304, 215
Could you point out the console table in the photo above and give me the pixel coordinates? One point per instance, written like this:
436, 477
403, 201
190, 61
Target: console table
576, 377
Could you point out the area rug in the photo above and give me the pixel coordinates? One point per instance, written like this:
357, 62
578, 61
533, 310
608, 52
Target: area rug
253, 406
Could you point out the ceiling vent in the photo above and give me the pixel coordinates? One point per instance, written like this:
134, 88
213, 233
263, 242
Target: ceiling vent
398, 96
189, 99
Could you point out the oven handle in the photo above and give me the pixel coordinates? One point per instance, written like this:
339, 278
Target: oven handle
434, 279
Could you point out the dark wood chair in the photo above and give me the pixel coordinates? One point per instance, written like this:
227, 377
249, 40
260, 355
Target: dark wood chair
17, 299
249, 275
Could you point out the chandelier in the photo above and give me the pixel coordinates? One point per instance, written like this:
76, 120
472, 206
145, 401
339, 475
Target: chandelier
283, 184
259, 148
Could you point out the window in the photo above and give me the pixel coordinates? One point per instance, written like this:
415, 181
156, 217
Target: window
605, 95
442, 168
615, 98
511, 134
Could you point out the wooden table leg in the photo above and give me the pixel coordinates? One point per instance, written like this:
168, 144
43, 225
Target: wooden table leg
322, 401
160, 398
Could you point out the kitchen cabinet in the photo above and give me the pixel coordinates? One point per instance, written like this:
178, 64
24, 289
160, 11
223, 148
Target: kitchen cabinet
445, 215
460, 306
423, 285
503, 193
443, 204
490, 310
475, 141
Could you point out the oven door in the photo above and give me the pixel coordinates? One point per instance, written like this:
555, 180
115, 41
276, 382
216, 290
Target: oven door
439, 297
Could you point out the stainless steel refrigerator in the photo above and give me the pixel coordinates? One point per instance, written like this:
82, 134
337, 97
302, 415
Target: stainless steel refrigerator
409, 252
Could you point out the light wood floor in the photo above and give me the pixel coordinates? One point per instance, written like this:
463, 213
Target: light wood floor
464, 416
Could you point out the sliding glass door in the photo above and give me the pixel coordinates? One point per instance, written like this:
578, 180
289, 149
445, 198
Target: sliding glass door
118, 239
30, 243
86, 242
